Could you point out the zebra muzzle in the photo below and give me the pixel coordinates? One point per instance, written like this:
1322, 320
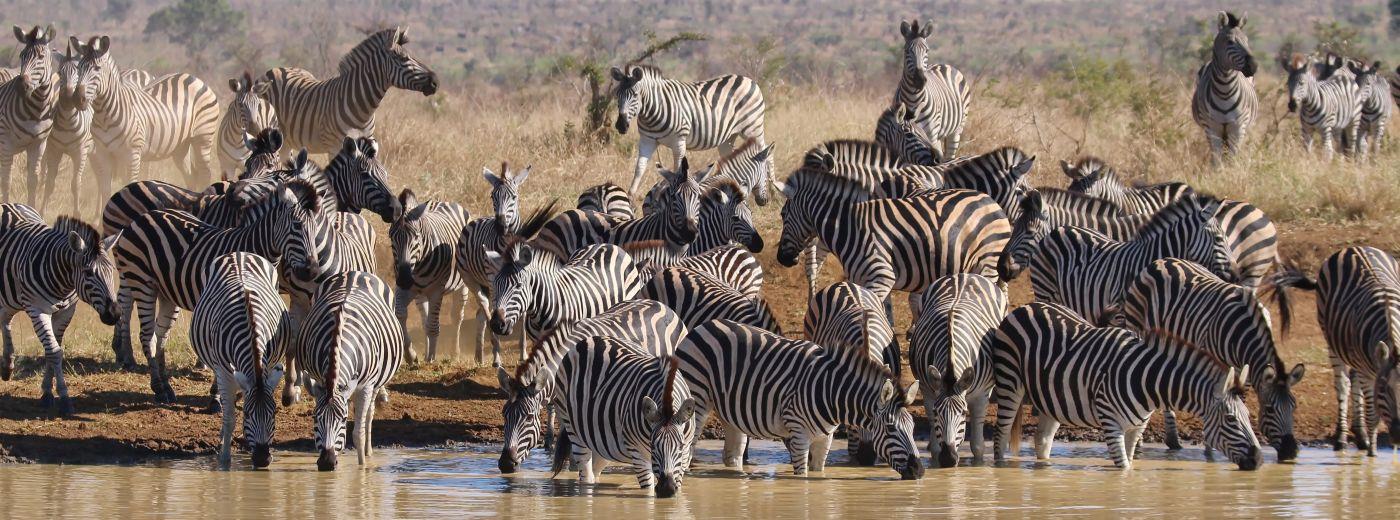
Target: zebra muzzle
498, 325
1288, 448
948, 456
507, 462
326, 462
1251, 459
666, 488
912, 470
262, 455
1292, 105
621, 125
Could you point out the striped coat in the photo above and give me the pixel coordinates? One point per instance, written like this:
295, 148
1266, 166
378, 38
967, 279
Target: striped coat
317, 114
424, 241
1331, 108
542, 290
248, 114
699, 298
937, 96
27, 104
1224, 103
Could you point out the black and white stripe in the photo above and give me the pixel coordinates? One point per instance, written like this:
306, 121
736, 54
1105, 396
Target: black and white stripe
27, 104
248, 113
71, 134
897, 131
936, 96
1073, 373
351, 345
424, 241
606, 198
240, 331
1330, 107
699, 298
847, 316
732, 265
536, 287
44, 270
1224, 103
317, 114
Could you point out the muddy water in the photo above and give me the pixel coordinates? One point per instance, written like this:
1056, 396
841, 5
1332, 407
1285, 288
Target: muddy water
423, 484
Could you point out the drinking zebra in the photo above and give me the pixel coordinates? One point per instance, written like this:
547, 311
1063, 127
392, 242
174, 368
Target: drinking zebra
1073, 373
248, 113
175, 117
163, 256
350, 346
841, 316
1184, 300
607, 198
1330, 108
936, 97
623, 405
531, 389
714, 113
1089, 273
950, 352
1224, 103
699, 298
317, 114
240, 330
424, 241
1358, 307
29, 99
46, 270
766, 386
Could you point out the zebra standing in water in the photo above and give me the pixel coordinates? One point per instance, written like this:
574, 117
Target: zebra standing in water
27, 102
248, 114
351, 345
240, 331
176, 117
1358, 307
607, 198
1071, 372
640, 322
950, 352
1225, 103
1331, 107
841, 316
162, 258
316, 114
935, 97
46, 270
688, 117
425, 241
1184, 300
766, 386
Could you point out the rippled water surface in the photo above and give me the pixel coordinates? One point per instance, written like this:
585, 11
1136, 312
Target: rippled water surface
465, 483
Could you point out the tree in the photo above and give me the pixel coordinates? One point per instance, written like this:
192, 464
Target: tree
197, 25
1394, 18
117, 10
594, 70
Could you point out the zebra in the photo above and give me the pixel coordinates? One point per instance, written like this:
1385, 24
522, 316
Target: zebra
936, 97
744, 166
1089, 272
176, 117
248, 113
546, 290
1094, 177
1224, 103
317, 114
1375, 111
354, 179
623, 405
46, 270
71, 134
676, 220
1180, 298
424, 242
689, 116
531, 388
350, 345
162, 258
950, 352
732, 265
1071, 372
263, 153
763, 385
1358, 308
891, 244
1331, 107
607, 198
699, 298
899, 132
491, 234
240, 330
1044, 209
841, 316
28, 101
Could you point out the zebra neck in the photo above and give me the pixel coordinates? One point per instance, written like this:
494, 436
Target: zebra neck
59, 266
268, 235
333, 181
1222, 75
367, 86
659, 97
110, 103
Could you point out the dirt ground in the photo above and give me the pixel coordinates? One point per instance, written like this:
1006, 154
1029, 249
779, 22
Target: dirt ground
445, 403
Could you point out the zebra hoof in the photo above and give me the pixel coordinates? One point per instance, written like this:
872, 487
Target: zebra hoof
46, 400
1173, 444
65, 406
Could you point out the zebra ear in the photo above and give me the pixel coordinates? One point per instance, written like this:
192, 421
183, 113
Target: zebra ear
74, 45
101, 46
46, 36
909, 393
1242, 376
19, 35
1069, 169
494, 261
636, 74
520, 176
408, 200
369, 146
1229, 380
111, 241
1242, 21
416, 213
301, 160
763, 154
1224, 19
261, 87
784, 188
503, 379
236, 85
685, 412
650, 411
274, 139
701, 175
904, 28
491, 177
618, 75
250, 142
1296, 375
1020, 170
964, 381
348, 147
887, 392
925, 30
76, 242
401, 35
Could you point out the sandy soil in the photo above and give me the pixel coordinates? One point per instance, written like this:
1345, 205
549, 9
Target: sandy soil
445, 403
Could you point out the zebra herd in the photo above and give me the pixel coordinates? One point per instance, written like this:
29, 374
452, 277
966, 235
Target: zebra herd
642, 326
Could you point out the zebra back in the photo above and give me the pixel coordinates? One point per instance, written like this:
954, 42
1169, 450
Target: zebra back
847, 316
607, 198
699, 298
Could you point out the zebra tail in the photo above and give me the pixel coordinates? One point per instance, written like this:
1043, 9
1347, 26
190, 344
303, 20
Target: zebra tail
1276, 288
563, 447
1017, 424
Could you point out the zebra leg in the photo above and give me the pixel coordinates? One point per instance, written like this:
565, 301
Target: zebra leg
1341, 381
6, 162
950, 146
1307, 139
292, 377
1215, 138
820, 446
976, 416
1368, 419
432, 309
33, 156
735, 440
461, 317
646, 146
1328, 147
121, 333
1357, 403
1113, 435
642, 468
133, 164
1008, 408
216, 401
364, 399
49, 177
166, 314
402, 298
1132, 440
203, 159
369, 420
798, 446
1234, 138
1172, 440
230, 396
53, 361
1045, 435
928, 392
892, 350
7, 362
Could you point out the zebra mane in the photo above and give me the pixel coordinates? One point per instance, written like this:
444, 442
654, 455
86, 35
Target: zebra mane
1080, 201
381, 39
741, 151
726, 185
536, 354
1171, 214
538, 218
668, 392
643, 245
68, 223
828, 181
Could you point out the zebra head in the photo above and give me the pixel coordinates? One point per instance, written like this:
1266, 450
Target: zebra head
35, 58
70, 91
250, 104
295, 208
680, 202
505, 197
1231, 47
1301, 80
907, 138
915, 50
385, 53
1090, 176
264, 151
93, 269
523, 429
1026, 231
361, 181
629, 95
1226, 421
406, 238
1276, 407
1365, 78
741, 229
510, 285
96, 70
260, 408
672, 431
892, 429
332, 398
799, 222
947, 411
